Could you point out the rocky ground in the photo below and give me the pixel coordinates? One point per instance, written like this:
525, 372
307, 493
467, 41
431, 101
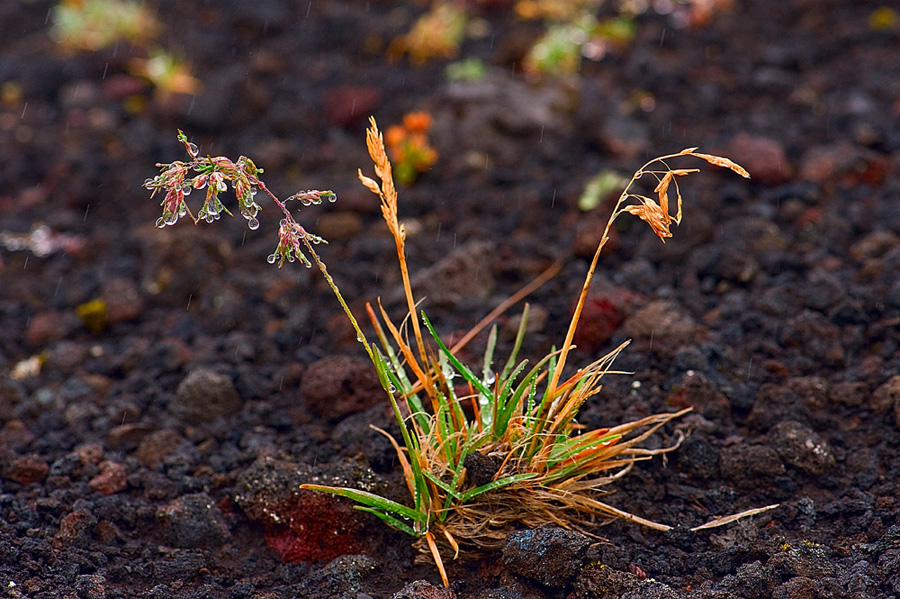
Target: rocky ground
163, 392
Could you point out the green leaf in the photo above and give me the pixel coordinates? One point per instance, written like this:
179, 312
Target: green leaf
506, 404
372, 500
390, 520
459, 366
447, 488
599, 188
520, 337
491, 486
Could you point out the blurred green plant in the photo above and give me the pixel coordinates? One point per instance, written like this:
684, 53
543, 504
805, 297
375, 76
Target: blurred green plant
168, 74
561, 49
97, 24
437, 34
469, 69
599, 187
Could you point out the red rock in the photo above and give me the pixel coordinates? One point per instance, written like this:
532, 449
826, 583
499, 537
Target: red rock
112, 478
765, 158
844, 162
75, 526
348, 104
46, 327
320, 528
337, 386
26, 470
601, 317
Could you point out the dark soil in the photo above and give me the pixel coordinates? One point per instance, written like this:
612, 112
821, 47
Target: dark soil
156, 450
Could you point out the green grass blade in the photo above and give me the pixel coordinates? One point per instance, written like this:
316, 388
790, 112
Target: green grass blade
402, 380
390, 520
496, 485
507, 401
461, 368
520, 337
449, 489
371, 500
487, 372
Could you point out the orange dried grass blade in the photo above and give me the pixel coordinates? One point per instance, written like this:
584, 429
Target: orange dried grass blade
723, 162
432, 546
407, 352
722, 521
370, 184
452, 542
401, 457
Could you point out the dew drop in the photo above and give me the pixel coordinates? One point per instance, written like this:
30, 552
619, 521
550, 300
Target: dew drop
192, 148
253, 224
160, 222
271, 258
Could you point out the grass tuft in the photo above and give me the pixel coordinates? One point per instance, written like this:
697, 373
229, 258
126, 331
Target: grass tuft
482, 451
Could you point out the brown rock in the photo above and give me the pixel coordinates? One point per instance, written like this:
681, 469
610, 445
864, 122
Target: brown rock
193, 521
26, 469
765, 158
463, 275
337, 386
126, 435
204, 395
802, 448
421, 589
156, 446
46, 327
112, 478
75, 527
887, 398
123, 300
15, 434
663, 321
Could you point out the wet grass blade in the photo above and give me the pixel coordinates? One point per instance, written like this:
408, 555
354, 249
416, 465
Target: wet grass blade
497, 484
371, 500
461, 368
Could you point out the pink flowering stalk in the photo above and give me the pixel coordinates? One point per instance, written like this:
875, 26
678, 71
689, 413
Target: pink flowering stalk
213, 174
